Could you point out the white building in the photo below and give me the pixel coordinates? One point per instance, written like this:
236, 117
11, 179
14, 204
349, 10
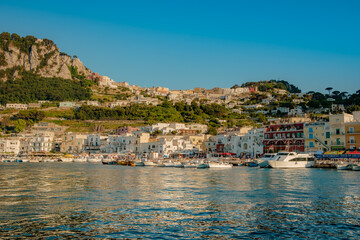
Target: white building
119, 144
10, 145
17, 106
38, 142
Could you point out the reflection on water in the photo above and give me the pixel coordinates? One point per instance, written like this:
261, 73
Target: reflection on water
83, 200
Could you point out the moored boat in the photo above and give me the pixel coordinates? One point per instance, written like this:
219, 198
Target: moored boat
190, 165
356, 167
264, 162
137, 164
343, 166
202, 165
219, 165
292, 160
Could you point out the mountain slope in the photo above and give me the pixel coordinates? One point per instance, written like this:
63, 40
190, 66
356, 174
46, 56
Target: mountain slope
39, 56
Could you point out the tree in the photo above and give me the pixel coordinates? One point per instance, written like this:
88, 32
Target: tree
329, 89
19, 125
212, 131
336, 93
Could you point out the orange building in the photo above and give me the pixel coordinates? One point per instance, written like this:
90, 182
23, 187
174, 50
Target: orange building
352, 135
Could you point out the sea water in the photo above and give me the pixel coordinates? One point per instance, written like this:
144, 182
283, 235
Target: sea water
80, 200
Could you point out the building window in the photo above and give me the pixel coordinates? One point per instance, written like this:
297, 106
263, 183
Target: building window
327, 134
310, 130
311, 136
311, 144
352, 140
351, 130
337, 131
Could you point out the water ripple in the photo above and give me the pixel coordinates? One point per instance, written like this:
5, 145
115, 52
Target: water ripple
54, 200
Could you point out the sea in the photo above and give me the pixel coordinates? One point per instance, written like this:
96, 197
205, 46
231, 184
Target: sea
94, 201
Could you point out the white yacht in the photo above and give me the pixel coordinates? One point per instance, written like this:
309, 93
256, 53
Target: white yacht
292, 160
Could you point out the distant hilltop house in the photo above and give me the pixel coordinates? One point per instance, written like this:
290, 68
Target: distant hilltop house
104, 81
70, 104
17, 106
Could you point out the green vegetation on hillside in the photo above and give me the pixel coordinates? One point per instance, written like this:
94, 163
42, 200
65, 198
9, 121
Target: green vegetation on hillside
265, 86
30, 87
23, 43
166, 112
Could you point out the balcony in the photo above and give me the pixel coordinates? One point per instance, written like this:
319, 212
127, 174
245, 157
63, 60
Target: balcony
351, 142
283, 138
283, 130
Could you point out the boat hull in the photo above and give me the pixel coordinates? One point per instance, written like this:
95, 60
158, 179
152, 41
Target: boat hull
264, 164
219, 165
300, 164
343, 167
356, 168
202, 165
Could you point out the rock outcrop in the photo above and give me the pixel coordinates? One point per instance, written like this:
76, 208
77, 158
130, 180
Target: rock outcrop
39, 56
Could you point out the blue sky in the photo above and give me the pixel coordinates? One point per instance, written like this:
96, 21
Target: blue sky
186, 44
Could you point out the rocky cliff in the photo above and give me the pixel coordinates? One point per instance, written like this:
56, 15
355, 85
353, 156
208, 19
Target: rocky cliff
40, 56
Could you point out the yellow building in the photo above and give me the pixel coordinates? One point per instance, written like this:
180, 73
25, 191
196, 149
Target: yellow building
72, 143
352, 135
337, 126
317, 136
198, 141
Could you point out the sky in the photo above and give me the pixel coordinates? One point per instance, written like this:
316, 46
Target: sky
186, 44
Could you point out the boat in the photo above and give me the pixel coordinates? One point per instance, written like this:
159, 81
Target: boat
137, 164
264, 162
160, 164
343, 166
173, 164
253, 164
355, 167
178, 165
190, 165
202, 165
292, 160
149, 163
94, 159
67, 158
220, 165
80, 159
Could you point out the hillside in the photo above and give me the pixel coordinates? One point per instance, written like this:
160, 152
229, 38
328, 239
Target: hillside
272, 84
39, 56
34, 69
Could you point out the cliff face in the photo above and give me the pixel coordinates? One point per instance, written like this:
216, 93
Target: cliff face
38, 56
